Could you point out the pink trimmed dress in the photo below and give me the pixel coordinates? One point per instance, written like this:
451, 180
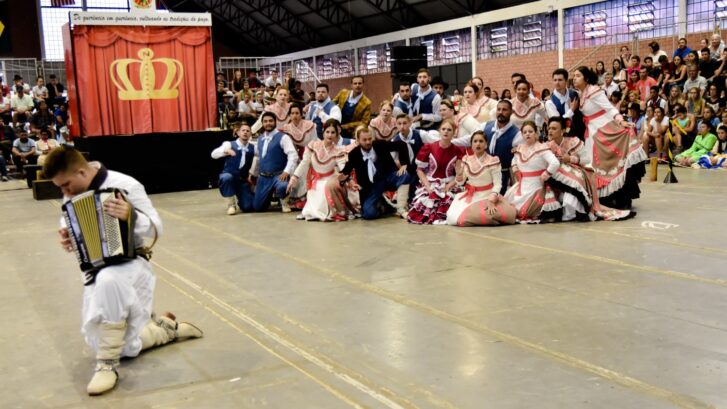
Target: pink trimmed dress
614, 152
318, 166
529, 194
383, 130
483, 176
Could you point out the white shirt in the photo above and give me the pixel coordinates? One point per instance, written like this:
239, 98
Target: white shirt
220, 151
664, 123
436, 102
397, 111
335, 111
26, 102
258, 107
244, 107
552, 110
269, 82
288, 147
40, 92
610, 88
517, 140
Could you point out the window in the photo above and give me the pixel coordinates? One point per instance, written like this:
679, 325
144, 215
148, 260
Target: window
618, 21
446, 48
702, 15
53, 18
523, 35
335, 65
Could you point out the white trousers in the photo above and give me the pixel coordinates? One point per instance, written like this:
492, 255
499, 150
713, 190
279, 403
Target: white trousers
124, 292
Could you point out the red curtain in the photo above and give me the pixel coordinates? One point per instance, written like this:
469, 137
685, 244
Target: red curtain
104, 113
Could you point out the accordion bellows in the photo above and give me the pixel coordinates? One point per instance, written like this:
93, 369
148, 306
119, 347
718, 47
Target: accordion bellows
97, 238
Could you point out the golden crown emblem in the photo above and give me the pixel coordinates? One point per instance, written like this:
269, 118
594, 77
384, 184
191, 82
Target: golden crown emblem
147, 76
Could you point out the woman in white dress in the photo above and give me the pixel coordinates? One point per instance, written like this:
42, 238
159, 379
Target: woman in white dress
476, 105
532, 165
301, 131
465, 124
614, 150
481, 203
281, 108
384, 125
526, 107
322, 160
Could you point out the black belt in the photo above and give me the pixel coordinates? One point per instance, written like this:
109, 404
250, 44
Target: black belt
270, 174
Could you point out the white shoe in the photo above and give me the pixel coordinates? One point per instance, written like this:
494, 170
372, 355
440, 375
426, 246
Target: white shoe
284, 205
5, 178
231, 205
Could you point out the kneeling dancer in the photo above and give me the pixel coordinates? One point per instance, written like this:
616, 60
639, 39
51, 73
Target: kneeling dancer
116, 317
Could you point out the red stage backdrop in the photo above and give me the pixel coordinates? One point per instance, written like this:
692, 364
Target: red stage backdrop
137, 79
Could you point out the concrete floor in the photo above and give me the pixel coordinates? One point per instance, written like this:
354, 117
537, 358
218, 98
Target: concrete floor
627, 315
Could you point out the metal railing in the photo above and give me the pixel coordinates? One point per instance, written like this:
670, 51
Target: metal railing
30, 69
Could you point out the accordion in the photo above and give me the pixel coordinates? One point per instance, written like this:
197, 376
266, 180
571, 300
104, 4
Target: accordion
97, 238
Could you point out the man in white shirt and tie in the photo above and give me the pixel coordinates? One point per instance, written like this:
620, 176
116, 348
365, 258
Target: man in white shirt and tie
235, 185
277, 159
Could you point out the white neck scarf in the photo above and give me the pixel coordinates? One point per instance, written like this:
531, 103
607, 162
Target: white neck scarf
354, 100
420, 95
498, 133
244, 152
370, 157
266, 141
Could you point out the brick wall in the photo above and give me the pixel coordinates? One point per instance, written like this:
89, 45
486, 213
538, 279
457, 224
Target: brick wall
496, 72
537, 67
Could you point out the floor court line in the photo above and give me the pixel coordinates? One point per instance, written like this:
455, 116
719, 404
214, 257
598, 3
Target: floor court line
680, 400
350, 379
669, 273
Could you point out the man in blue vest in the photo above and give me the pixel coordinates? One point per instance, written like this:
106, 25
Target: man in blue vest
355, 107
502, 136
402, 103
235, 184
277, 159
425, 102
322, 109
561, 99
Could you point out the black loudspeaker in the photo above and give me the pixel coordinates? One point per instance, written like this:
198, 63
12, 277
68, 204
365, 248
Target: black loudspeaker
408, 60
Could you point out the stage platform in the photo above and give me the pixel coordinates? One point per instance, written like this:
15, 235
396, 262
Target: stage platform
162, 162
382, 314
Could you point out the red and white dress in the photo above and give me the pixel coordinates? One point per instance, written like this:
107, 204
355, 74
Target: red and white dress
532, 109
282, 116
612, 149
301, 134
383, 130
529, 194
318, 166
438, 164
483, 179
575, 183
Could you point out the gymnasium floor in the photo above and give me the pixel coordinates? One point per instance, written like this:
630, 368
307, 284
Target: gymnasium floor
626, 315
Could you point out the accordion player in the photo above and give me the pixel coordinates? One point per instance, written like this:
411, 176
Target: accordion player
99, 239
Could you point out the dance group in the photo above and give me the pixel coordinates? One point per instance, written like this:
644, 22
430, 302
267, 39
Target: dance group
482, 165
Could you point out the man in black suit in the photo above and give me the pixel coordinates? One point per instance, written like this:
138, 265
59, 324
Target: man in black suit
376, 171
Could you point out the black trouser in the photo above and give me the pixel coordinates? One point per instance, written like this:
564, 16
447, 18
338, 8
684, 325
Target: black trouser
32, 160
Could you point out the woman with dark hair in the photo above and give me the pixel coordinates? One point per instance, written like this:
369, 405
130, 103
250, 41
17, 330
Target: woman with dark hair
545, 94
476, 105
718, 156
615, 151
495, 96
301, 131
574, 182
532, 165
618, 71
525, 107
702, 145
505, 94
656, 54
481, 203
600, 71
321, 162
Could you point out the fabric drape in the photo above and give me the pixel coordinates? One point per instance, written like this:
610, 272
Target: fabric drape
104, 113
